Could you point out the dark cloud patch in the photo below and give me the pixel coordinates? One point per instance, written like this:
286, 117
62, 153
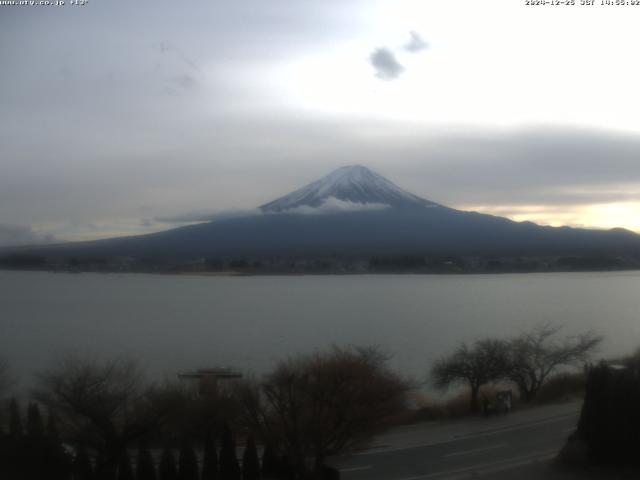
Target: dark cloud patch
386, 64
184, 81
166, 48
180, 73
16, 235
416, 43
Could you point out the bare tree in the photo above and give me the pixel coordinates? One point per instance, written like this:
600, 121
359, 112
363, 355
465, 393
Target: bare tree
476, 365
537, 353
323, 404
105, 400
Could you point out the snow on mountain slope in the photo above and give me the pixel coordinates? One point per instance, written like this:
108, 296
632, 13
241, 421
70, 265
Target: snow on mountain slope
353, 184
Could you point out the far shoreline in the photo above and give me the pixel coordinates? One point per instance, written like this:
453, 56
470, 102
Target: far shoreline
241, 274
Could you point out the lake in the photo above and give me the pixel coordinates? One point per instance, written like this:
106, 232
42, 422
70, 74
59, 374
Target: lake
178, 322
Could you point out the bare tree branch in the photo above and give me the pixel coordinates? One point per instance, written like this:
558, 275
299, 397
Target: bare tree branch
323, 404
104, 398
538, 353
485, 361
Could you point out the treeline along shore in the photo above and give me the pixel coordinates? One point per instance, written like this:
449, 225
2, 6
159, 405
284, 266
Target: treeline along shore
415, 264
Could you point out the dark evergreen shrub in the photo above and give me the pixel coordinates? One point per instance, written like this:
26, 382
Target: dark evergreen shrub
31, 457
104, 469
125, 472
145, 469
168, 470
187, 463
52, 427
610, 419
82, 468
229, 468
250, 462
35, 427
210, 459
270, 464
15, 421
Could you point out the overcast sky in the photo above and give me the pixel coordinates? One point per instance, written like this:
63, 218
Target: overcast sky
117, 113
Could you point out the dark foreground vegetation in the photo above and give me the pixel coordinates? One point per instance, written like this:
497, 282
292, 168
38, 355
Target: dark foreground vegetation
102, 419
105, 421
608, 432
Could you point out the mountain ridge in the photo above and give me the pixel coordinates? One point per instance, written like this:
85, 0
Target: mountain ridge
407, 225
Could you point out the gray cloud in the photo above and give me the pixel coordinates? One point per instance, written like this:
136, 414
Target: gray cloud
195, 217
16, 235
560, 166
333, 205
90, 136
416, 43
386, 64
221, 167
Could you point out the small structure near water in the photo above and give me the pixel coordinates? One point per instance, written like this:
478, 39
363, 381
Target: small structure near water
208, 378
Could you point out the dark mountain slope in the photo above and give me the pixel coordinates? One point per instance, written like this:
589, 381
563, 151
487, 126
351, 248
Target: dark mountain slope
367, 215
426, 231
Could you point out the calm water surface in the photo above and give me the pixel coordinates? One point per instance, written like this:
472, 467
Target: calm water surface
179, 322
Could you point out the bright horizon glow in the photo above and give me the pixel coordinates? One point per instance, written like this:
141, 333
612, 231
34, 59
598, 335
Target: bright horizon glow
596, 216
518, 66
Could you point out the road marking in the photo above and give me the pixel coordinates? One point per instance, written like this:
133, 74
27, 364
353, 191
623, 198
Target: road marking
498, 431
475, 450
356, 469
512, 465
567, 430
488, 467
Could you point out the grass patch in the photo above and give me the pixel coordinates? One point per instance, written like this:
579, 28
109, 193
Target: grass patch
453, 407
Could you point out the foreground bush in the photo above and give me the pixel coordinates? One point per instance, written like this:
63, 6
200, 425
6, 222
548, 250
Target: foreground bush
609, 426
31, 455
322, 404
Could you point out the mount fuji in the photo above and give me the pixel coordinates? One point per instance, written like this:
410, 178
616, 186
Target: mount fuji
354, 184
355, 213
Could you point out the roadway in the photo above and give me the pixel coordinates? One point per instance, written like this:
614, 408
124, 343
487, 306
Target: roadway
494, 447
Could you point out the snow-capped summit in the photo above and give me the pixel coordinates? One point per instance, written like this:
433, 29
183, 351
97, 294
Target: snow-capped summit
353, 184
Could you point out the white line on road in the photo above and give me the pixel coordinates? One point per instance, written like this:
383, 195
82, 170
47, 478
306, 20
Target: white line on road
512, 465
567, 430
498, 431
488, 467
356, 469
475, 450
